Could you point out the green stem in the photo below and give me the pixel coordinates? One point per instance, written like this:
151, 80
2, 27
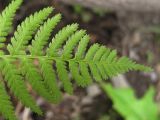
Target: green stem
41, 57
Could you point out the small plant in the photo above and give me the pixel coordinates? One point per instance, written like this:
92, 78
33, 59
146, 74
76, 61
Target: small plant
84, 15
155, 30
129, 106
41, 62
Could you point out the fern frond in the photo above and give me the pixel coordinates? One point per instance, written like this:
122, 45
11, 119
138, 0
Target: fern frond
95, 72
49, 76
63, 76
60, 38
6, 107
74, 66
91, 52
42, 36
97, 69
82, 47
35, 79
67, 56
26, 30
99, 53
74, 69
89, 56
71, 43
6, 19
85, 73
16, 84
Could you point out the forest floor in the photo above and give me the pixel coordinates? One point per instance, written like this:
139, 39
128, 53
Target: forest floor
91, 103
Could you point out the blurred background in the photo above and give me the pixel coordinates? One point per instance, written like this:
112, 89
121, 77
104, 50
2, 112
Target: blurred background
132, 27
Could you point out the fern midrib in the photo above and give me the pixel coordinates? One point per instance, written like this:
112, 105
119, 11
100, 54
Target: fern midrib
53, 59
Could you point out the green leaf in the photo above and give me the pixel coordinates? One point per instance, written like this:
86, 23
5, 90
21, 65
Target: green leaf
6, 18
6, 107
26, 30
34, 60
130, 107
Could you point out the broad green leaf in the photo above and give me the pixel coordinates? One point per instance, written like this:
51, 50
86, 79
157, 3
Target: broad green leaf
130, 107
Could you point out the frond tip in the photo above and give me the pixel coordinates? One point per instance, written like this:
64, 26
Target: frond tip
39, 64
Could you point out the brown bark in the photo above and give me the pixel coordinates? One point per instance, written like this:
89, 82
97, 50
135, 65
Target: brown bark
119, 5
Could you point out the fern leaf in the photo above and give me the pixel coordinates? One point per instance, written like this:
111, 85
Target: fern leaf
100, 67
26, 30
60, 38
63, 76
112, 56
110, 63
95, 72
99, 53
6, 107
89, 57
74, 69
71, 43
35, 78
50, 79
102, 71
91, 52
16, 84
6, 19
104, 57
97, 57
82, 47
66, 57
42, 36
85, 73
